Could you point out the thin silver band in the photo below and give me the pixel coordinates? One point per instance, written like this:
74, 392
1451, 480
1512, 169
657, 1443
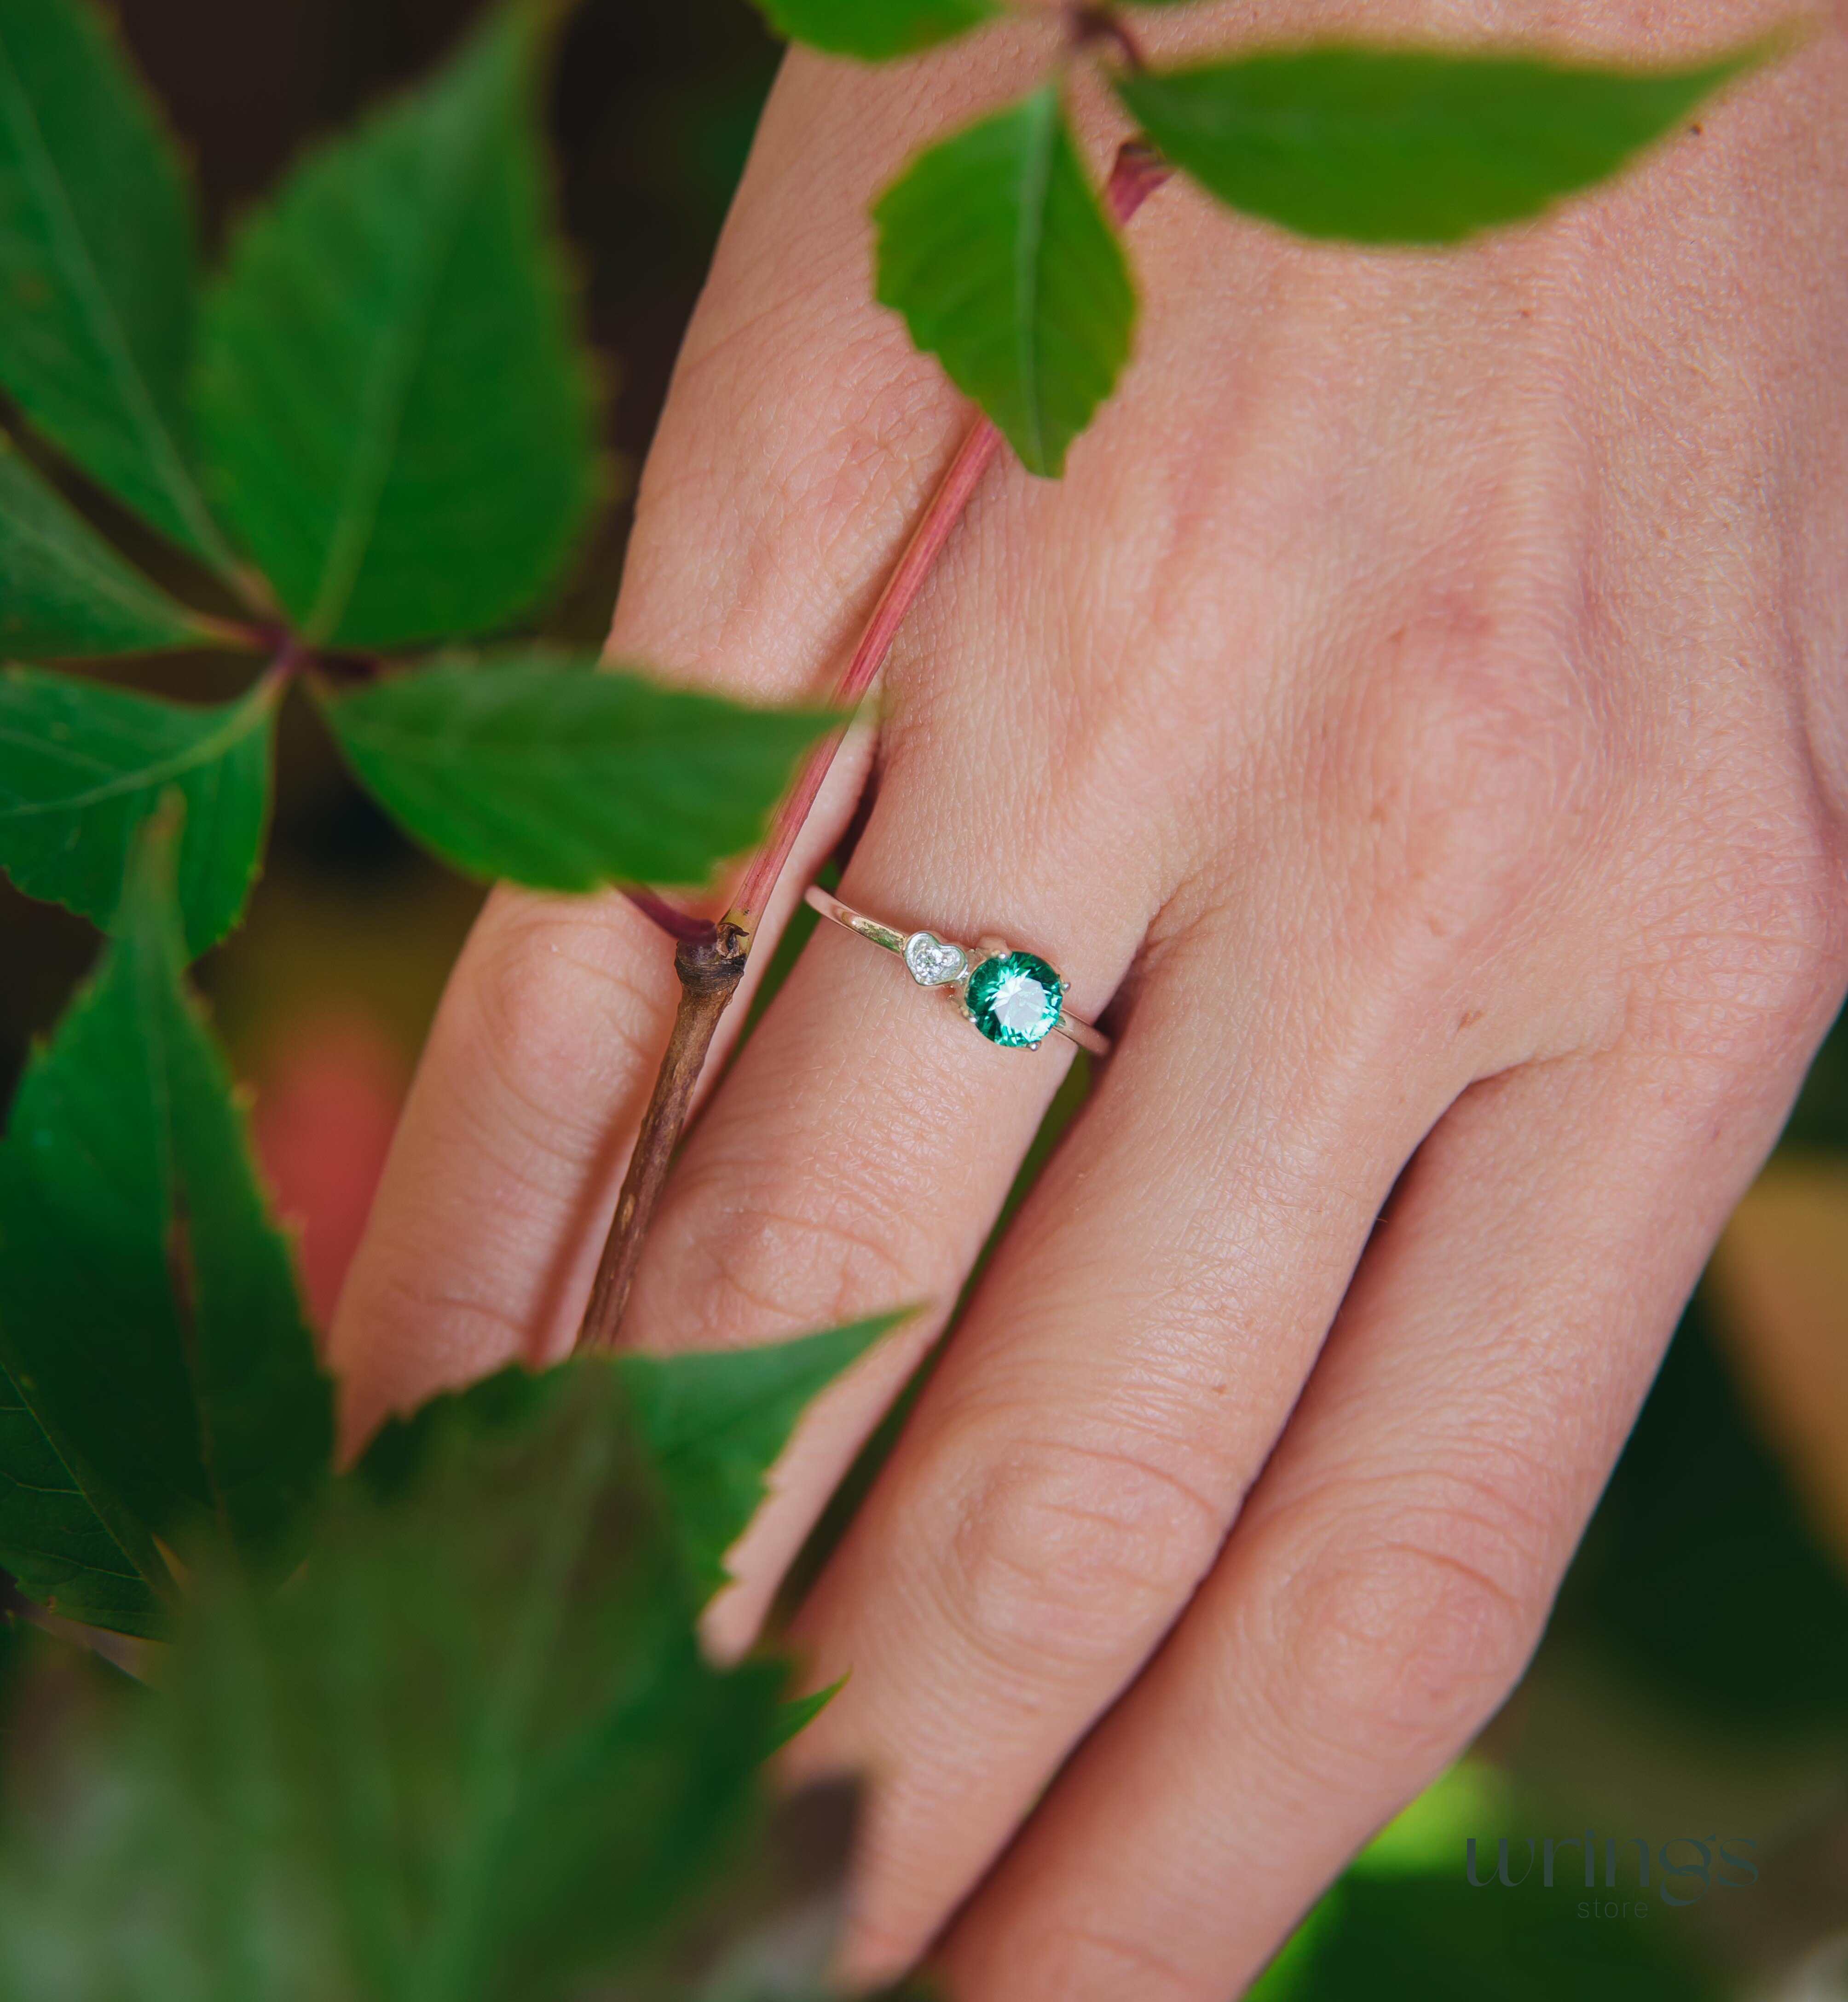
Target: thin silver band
908, 946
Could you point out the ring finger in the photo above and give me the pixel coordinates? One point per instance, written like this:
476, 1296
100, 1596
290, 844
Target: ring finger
1393, 1567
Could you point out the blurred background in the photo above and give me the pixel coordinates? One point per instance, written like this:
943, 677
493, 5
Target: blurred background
1694, 1682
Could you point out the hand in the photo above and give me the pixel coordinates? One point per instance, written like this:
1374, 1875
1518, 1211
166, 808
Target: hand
1419, 717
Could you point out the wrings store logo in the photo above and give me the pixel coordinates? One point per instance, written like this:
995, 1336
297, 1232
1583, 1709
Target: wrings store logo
1680, 1871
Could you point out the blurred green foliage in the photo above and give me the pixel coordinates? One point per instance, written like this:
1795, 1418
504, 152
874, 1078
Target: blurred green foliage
473, 1752
1701, 1572
1700, 1576
1819, 1119
441, 1727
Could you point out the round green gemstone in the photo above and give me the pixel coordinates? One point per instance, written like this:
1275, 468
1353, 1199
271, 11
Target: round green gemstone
1014, 999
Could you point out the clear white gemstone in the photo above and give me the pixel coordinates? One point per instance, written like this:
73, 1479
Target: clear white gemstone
1020, 1004
932, 962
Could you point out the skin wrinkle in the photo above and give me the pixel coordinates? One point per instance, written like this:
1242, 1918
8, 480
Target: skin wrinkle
1412, 1645
850, 1248
1113, 1960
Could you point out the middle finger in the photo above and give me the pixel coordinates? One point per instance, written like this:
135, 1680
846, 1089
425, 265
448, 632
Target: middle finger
857, 1156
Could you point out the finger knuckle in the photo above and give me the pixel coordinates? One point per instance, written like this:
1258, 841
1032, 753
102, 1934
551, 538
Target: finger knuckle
455, 1324
754, 1255
552, 1025
1403, 1626
1745, 968
1068, 1551
1469, 759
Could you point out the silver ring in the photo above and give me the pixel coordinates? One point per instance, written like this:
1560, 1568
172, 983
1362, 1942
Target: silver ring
1014, 999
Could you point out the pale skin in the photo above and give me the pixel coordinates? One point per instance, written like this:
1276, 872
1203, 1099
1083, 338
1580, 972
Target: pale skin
1419, 722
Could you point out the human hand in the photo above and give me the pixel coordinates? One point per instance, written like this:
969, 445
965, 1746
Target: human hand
1418, 714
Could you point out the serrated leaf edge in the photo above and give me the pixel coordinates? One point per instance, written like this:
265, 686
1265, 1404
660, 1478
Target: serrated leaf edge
175, 472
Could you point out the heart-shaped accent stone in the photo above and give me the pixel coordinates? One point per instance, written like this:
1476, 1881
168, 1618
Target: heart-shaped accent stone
933, 962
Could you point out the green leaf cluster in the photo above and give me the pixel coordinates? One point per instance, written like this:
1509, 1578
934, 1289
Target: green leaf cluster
159, 1391
156, 1373
999, 255
375, 429
439, 1727
474, 1752
405, 454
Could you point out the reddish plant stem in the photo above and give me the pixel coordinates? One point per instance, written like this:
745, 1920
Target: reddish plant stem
682, 926
944, 510
1139, 171
710, 959
973, 458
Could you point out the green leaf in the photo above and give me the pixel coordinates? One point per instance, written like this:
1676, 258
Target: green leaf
55, 1537
994, 247
151, 1321
473, 1753
532, 767
1702, 1576
1819, 1119
397, 416
876, 30
14, 1644
1408, 145
1426, 1838
64, 591
799, 1712
82, 766
715, 1424
1440, 1939
96, 263
402, 1451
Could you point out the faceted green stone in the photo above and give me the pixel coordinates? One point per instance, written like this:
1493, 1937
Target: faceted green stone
1014, 999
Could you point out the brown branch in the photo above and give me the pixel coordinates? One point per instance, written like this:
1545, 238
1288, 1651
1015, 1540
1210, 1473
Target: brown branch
710, 960
710, 973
